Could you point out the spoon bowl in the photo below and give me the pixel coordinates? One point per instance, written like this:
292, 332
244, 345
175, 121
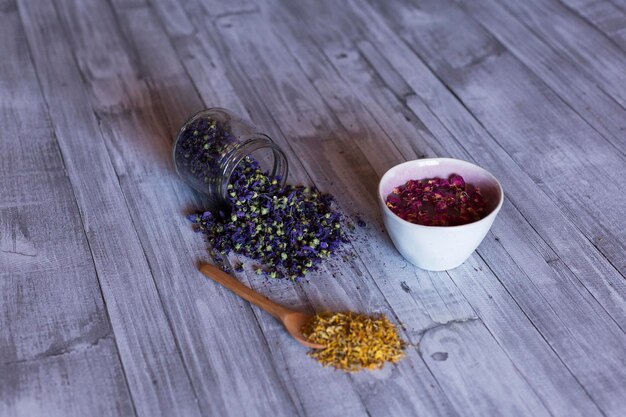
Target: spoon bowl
294, 322
291, 319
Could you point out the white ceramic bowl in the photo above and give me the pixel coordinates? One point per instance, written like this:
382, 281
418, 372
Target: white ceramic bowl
438, 248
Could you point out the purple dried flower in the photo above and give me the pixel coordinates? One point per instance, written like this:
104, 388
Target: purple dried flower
289, 230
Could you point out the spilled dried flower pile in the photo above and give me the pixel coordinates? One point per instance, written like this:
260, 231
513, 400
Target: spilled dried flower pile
438, 201
354, 341
289, 230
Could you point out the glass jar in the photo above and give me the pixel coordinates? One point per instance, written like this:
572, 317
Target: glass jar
213, 142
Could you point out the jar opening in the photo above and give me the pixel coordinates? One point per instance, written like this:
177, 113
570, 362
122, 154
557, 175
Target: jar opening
262, 150
210, 146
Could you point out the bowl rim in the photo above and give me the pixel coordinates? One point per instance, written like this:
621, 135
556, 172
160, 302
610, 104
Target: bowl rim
387, 210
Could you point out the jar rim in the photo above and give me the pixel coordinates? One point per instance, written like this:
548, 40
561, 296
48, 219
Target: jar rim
245, 146
249, 145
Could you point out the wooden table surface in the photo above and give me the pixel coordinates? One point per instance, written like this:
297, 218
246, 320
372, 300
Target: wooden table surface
102, 309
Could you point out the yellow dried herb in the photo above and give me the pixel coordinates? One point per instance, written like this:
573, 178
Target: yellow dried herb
354, 341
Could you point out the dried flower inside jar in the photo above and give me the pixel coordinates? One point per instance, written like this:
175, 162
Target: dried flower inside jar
288, 229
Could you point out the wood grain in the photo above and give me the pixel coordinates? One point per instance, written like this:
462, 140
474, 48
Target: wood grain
58, 355
352, 68
333, 400
578, 40
103, 310
561, 73
605, 16
309, 103
144, 181
553, 165
156, 375
464, 135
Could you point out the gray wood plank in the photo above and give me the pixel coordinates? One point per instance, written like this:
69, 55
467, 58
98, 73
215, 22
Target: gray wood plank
604, 15
309, 106
83, 380
349, 67
449, 111
561, 73
620, 4
217, 8
390, 116
43, 254
522, 128
206, 346
533, 324
156, 375
57, 351
55, 337
338, 395
567, 33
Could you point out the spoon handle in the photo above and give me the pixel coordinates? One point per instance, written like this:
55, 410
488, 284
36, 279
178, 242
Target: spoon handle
228, 281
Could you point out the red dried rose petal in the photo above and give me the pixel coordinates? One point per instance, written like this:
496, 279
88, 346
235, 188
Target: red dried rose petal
437, 201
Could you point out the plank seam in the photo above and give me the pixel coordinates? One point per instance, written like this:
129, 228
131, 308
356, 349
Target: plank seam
506, 289
384, 297
249, 307
539, 332
80, 213
584, 71
484, 129
587, 22
519, 59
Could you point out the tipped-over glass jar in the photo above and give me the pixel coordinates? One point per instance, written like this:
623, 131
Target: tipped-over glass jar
213, 142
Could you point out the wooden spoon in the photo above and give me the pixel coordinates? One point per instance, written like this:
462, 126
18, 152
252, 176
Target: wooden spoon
292, 320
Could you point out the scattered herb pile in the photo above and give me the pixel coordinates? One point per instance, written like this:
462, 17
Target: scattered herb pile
289, 229
438, 201
354, 341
